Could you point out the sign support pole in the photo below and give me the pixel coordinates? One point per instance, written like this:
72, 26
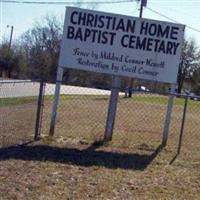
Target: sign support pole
168, 115
116, 82
143, 3
56, 101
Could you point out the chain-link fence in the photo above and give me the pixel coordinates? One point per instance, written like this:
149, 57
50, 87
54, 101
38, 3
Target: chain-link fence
141, 118
185, 127
18, 106
82, 114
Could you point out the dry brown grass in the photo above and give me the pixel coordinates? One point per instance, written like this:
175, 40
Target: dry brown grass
70, 166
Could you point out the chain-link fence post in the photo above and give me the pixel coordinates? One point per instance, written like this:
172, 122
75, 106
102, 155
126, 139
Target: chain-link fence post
39, 110
182, 124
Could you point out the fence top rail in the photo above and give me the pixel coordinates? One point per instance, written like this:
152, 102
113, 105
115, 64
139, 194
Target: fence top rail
169, 93
16, 81
185, 95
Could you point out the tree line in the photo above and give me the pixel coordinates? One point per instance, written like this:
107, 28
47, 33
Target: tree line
35, 56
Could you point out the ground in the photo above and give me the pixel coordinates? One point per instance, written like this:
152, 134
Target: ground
75, 164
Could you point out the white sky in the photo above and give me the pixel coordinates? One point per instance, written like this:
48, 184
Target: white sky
23, 16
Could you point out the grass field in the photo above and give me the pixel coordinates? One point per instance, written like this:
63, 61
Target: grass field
73, 164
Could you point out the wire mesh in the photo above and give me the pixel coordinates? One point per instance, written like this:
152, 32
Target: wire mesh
140, 120
81, 113
191, 137
18, 105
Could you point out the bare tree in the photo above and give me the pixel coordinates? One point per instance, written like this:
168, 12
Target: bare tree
195, 81
12, 63
41, 46
190, 62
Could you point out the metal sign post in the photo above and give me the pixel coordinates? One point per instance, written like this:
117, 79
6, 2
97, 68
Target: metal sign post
116, 82
56, 100
168, 115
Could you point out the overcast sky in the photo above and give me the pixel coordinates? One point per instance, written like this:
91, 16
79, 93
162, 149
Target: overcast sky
23, 16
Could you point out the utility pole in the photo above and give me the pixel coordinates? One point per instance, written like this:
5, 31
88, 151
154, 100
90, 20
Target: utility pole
9, 46
11, 34
143, 3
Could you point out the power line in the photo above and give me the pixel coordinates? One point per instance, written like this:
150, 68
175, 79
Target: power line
105, 2
162, 15
154, 11
174, 9
175, 1
66, 2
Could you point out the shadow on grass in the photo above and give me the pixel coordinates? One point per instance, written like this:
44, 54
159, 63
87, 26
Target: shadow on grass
86, 157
